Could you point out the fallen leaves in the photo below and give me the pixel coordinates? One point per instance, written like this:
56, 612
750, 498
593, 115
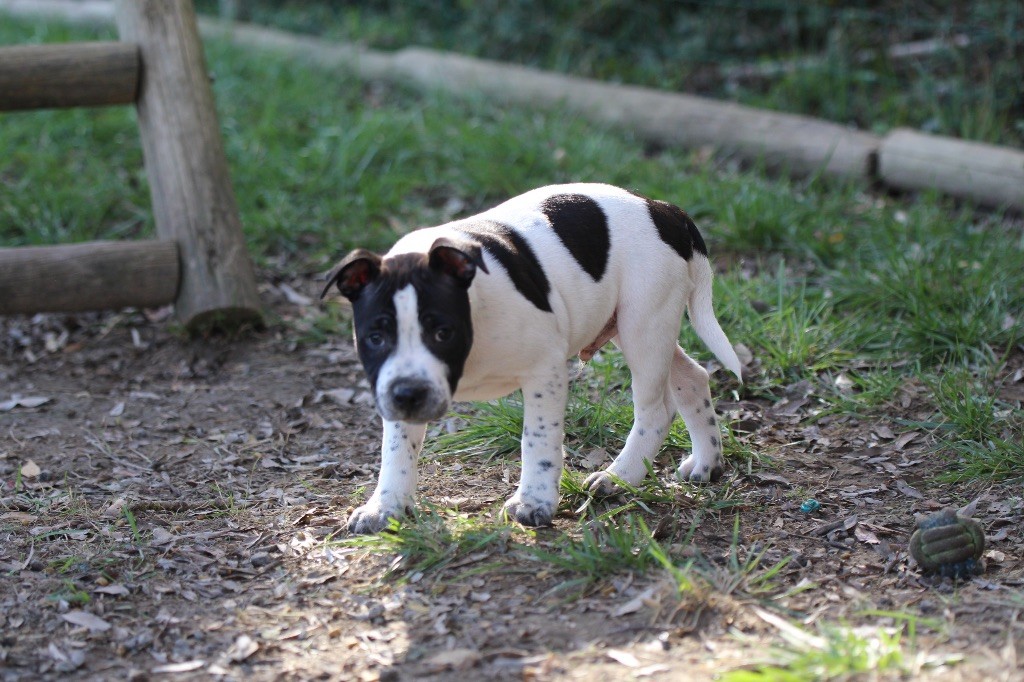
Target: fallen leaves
174, 668
113, 590
86, 620
26, 402
242, 648
238, 465
452, 659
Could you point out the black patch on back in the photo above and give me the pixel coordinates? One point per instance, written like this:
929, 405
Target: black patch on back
676, 228
583, 227
515, 255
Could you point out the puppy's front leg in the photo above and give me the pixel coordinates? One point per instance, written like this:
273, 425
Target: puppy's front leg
396, 485
536, 499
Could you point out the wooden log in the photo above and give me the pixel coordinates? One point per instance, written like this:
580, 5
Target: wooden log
88, 276
970, 170
800, 144
90, 12
193, 201
68, 75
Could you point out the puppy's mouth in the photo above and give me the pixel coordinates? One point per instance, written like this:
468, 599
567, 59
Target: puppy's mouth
410, 400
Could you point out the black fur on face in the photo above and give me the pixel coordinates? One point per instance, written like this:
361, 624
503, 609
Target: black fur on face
441, 279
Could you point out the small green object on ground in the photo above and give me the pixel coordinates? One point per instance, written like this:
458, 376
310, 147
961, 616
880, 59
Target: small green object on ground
810, 505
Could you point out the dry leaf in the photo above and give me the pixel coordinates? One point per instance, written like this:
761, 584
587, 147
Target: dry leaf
243, 648
186, 667
162, 537
624, 657
908, 490
20, 517
116, 590
634, 604
115, 508
27, 401
294, 297
339, 396
86, 620
864, 535
30, 469
594, 458
884, 432
453, 659
905, 439
743, 354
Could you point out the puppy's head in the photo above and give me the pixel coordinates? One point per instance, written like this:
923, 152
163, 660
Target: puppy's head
412, 323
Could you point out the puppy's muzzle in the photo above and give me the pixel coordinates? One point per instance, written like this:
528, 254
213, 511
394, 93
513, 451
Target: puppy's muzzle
412, 400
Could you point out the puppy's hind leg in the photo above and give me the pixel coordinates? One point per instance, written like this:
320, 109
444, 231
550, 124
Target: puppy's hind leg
691, 392
648, 352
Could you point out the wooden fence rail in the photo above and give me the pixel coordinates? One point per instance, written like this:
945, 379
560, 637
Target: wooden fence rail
68, 75
201, 262
88, 276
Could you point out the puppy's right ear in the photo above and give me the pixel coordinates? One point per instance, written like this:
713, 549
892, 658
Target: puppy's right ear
353, 273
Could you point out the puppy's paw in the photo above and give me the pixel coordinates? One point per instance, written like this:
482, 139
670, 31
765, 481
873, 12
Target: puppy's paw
533, 513
600, 483
373, 517
697, 471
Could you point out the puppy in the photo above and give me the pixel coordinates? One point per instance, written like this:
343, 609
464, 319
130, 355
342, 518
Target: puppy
476, 308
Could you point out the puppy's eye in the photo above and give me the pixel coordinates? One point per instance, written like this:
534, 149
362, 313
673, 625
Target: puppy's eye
375, 340
444, 334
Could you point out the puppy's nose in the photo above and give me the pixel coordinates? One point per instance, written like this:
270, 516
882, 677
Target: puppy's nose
409, 396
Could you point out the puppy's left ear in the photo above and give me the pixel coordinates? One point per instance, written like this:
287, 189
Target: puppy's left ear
457, 259
353, 273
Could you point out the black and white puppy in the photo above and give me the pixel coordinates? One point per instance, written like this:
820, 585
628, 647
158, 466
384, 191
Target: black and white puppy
476, 308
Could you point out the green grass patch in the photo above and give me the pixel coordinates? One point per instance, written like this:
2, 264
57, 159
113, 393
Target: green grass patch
839, 651
433, 540
824, 281
603, 548
982, 435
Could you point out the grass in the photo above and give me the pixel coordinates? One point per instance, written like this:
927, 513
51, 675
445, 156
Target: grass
601, 550
983, 435
822, 279
829, 60
853, 293
838, 651
432, 541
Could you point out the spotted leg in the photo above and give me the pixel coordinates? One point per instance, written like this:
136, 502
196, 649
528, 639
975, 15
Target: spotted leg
396, 485
689, 387
536, 499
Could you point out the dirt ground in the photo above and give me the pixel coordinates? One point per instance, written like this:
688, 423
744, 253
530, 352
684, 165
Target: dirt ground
164, 505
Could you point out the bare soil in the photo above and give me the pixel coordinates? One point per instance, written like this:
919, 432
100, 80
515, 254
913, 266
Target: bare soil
163, 514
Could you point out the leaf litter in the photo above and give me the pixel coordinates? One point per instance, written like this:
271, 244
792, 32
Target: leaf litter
173, 508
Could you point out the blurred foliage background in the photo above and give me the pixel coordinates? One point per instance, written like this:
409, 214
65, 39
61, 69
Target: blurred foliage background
946, 66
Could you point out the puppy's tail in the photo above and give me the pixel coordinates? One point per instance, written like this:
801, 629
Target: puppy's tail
702, 315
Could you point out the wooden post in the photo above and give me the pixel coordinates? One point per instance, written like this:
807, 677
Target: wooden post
68, 75
88, 276
193, 201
